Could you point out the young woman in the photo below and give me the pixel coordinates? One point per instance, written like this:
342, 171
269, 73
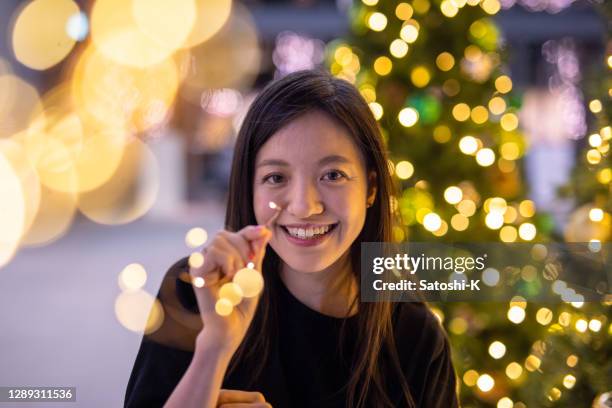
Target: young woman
310, 144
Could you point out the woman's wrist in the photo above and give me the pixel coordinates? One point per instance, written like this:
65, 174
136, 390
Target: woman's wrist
207, 344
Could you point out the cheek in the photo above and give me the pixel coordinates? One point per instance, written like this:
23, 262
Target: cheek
261, 204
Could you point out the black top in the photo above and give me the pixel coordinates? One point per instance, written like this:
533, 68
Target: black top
304, 368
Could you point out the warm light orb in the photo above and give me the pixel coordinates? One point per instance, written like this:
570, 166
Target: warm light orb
468, 145
139, 311
250, 281
404, 170
497, 105
196, 237
527, 231
497, 350
377, 21
494, 220
595, 106
408, 117
516, 314
460, 222
503, 84
383, 66
432, 222
198, 282
470, 377
40, 39
224, 307
210, 17
409, 33
461, 112
420, 76
445, 61
231, 292
448, 8
404, 11
12, 211
132, 277
479, 115
509, 122
544, 316
514, 370
118, 201
453, 195
485, 383
527, 208
398, 48
167, 23
596, 214
569, 381
485, 157
505, 402
196, 260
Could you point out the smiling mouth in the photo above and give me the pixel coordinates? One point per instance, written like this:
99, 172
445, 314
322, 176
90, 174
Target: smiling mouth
301, 234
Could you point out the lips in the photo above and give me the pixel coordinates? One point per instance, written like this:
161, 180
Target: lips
308, 242
308, 226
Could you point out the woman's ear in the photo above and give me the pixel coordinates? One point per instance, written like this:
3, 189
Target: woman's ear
372, 188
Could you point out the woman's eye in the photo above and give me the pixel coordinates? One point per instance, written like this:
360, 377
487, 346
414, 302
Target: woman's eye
335, 175
274, 178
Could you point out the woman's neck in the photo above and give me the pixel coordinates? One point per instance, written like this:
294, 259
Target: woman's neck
330, 291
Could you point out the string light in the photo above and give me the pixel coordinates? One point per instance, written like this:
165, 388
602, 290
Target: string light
445, 61
485, 383
409, 33
461, 112
383, 66
432, 222
420, 76
460, 222
485, 157
497, 349
516, 314
377, 21
514, 370
404, 170
453, 195
595, 106
398, 48
497, 105
404, 11
196, 237
408, 117
503, 84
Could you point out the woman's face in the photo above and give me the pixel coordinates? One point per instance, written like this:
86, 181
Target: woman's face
312, 169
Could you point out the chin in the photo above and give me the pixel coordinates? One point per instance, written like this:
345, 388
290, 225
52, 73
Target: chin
306, 265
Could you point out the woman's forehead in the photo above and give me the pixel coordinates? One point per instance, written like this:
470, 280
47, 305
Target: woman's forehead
312, 137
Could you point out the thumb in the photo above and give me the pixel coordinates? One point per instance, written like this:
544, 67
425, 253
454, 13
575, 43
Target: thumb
259, 248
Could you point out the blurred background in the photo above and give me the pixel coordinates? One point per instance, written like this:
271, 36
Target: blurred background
117, 125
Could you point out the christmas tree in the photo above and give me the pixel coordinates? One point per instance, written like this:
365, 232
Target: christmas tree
432, 73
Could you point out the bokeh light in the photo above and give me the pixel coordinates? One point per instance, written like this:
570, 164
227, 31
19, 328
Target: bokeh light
132, 277
138, 311
40, 39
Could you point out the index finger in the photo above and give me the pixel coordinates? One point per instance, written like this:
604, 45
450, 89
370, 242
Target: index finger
227, 396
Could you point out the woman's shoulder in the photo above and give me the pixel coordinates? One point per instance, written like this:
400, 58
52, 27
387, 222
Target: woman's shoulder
417, 328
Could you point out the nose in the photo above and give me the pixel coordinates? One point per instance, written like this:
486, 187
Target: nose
304, 199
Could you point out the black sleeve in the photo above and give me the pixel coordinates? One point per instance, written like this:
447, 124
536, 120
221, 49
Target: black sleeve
156, 372
165, 354
440, 381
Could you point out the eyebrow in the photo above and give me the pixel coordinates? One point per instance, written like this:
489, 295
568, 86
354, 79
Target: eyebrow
334, 158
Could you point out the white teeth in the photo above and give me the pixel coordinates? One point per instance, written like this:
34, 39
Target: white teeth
308, 233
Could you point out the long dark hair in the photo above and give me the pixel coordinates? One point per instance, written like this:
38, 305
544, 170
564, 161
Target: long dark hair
278, 104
